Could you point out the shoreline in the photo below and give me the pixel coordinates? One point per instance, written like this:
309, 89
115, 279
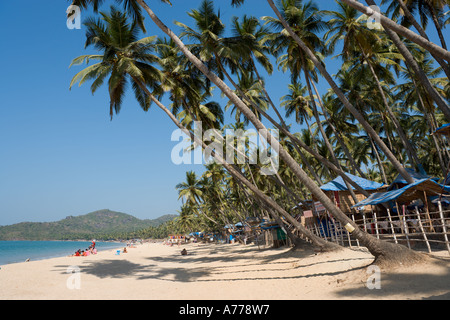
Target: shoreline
57, 255
153, 271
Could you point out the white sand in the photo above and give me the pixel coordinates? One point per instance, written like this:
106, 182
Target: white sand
156, 271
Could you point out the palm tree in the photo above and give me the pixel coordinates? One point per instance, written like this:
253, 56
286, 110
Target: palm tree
208, 36
417, 99
341, 96
191, 189
186, 219
399, 7
125, 59
251, 91
298, 104
379, 249
432, 8
374, 48
391, 29
391, 26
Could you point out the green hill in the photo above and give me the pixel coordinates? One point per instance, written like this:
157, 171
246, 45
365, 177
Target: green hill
95, 224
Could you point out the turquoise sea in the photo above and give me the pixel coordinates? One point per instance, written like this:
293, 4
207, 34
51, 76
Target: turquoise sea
19, 251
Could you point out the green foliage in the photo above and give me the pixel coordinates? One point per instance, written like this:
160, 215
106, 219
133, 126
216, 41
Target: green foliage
102, 225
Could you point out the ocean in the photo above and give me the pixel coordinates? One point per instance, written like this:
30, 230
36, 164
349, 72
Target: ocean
19, 251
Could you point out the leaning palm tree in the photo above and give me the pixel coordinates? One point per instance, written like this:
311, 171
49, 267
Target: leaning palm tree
374, 48
125, 59
380, 249
117, 60
429, 8
393, 30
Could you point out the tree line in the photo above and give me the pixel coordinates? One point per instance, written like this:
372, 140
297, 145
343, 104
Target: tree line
390, 93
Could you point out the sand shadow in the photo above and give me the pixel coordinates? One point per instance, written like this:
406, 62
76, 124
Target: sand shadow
427, 286
118, 269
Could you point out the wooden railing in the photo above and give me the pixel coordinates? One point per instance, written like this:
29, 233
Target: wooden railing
418, 230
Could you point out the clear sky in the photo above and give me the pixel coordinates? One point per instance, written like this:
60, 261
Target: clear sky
60, 154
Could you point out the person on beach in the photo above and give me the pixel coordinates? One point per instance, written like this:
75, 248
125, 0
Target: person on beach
184, 252
125, 250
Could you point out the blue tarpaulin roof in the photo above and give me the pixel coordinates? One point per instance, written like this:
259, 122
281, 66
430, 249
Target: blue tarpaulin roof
407, 193
338, 184
445, 129
415, 175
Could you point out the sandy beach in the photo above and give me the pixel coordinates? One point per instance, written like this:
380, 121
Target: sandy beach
220, 271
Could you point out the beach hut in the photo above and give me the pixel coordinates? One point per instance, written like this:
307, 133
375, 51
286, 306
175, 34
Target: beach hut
400, 182
338, 192
274, 235
406, 194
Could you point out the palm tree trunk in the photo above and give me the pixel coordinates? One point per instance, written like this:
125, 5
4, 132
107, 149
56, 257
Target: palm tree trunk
338, 135
398, 166
438, 26
383, 251
380, 163
445, 66
321, 244
322, 131
411, 62
409, 149
405, 32
441, 154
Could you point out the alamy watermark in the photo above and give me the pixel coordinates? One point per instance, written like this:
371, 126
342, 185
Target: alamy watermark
374, 279
74, 280
233, 146
73, 17
373, 18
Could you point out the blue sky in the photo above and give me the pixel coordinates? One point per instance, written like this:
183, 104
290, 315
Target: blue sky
60, 154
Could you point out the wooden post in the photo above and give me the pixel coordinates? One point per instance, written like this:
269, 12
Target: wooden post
405, 225
428, 211
392, 225
444, 227
422, 230
364, 221
357, 241
399, 217
316, 229
332, 228
376, 224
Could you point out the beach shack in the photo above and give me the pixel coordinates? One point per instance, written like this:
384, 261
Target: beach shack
400, 201
274, 234
235, 232
424, 189
338, 192
176, 238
